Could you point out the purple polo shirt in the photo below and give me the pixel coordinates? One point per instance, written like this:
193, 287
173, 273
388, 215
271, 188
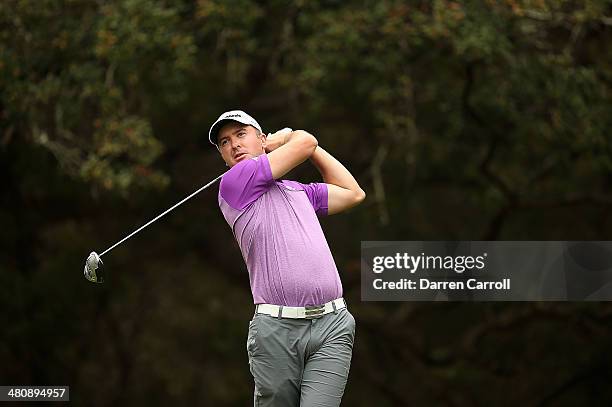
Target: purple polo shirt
275, 224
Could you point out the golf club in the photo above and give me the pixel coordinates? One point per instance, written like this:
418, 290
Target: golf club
94, 260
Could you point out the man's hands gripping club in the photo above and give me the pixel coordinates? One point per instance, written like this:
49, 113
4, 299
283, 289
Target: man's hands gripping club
287, 149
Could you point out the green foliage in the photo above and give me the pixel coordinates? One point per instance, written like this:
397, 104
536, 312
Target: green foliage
78, 77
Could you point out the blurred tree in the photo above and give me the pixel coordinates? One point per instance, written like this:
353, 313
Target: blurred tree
507, 100
78, 78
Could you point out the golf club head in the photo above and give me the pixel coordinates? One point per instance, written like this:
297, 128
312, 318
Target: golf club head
93, 263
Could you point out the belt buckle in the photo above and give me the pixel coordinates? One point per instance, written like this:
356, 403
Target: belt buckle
314, 311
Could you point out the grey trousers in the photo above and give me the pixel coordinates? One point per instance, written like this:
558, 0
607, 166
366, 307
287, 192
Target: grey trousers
300, 362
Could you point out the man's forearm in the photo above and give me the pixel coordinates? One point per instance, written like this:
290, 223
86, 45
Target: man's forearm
332, 170
343, 191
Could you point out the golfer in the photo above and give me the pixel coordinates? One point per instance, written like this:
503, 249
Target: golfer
300, 340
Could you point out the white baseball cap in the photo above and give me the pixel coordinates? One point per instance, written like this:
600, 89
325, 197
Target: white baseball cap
233, 115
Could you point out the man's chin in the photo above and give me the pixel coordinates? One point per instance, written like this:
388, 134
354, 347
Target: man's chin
240, 159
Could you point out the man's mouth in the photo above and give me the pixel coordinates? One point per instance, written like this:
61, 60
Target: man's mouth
239, 156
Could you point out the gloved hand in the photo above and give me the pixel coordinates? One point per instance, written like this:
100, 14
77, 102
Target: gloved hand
277, 139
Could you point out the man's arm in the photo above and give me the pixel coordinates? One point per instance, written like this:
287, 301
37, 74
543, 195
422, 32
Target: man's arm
343, 191
287, 150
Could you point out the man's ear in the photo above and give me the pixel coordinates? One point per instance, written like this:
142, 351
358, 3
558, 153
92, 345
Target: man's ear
221, 154
264, 139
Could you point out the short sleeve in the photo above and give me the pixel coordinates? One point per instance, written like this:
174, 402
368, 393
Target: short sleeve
317, 195
246, 181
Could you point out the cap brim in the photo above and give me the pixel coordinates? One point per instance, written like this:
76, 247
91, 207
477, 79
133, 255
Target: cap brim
214, 130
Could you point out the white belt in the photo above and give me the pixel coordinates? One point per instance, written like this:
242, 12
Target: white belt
309, 312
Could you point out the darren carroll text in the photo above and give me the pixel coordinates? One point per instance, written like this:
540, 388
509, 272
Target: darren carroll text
426, 284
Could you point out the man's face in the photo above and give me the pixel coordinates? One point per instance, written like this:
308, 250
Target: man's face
237, 142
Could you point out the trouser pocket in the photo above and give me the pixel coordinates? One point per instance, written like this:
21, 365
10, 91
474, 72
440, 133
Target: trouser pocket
251, 338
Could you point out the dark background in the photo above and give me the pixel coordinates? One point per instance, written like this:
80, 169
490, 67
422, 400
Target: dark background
461, 120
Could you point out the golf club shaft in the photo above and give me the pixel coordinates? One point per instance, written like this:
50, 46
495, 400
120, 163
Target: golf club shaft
160, 215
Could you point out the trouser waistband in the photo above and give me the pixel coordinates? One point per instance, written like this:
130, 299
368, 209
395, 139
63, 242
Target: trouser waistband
308, 312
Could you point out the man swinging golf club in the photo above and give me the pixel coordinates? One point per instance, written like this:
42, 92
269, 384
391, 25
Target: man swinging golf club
301, 337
